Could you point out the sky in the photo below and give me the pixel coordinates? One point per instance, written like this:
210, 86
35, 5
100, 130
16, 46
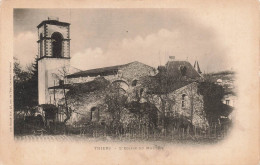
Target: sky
106, 37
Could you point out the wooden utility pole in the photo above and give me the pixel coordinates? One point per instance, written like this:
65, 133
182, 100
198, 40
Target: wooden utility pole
66, 105
54, 94
192, 104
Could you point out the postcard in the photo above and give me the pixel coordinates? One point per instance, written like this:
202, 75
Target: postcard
129, 82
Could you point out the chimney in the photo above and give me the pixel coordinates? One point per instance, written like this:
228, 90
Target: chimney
171, 58
53, 18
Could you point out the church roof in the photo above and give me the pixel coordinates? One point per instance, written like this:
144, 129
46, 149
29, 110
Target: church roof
97, 83
162, 85
180, 69
172, 76
111, 70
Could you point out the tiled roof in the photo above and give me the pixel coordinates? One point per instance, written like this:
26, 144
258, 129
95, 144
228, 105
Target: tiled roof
65, 86
89, 86
163, 85
174, 69
112, 70
172, 76
96, 84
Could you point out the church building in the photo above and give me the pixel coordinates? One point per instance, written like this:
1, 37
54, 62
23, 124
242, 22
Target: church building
172, 88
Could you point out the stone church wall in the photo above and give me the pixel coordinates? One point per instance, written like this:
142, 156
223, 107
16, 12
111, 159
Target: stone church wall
87, 101
136, 70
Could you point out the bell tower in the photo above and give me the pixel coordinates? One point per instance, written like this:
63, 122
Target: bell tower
53, 54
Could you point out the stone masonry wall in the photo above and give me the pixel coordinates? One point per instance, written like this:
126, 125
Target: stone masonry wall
175, 105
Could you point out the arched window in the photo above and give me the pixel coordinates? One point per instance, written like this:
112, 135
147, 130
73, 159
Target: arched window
141, 92
183, 101
120, 86
94, 114
134, 83
56, 39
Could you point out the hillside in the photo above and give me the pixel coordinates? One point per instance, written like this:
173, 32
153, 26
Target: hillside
224, 78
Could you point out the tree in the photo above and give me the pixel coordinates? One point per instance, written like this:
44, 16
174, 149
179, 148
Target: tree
212, 94
61, 76
25, 86
33, 82
145, 113
115, 99
159, 88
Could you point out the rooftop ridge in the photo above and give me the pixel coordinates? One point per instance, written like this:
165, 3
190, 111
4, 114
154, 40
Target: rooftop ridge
113, 68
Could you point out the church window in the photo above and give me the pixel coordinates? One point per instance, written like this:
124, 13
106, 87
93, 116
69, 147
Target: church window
94, 114
141, 92
134, 83
183, 101
57, 44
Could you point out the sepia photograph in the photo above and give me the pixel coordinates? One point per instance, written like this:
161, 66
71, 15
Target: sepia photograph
121, 75
129, 82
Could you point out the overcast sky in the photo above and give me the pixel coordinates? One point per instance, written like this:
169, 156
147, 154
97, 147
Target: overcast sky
105, 37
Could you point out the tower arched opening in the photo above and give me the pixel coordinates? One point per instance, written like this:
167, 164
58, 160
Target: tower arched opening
57, 44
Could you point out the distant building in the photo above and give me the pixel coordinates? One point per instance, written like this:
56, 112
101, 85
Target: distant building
229, 98
228, 84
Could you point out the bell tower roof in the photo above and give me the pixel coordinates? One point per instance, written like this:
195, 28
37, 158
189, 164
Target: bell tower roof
53, 22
